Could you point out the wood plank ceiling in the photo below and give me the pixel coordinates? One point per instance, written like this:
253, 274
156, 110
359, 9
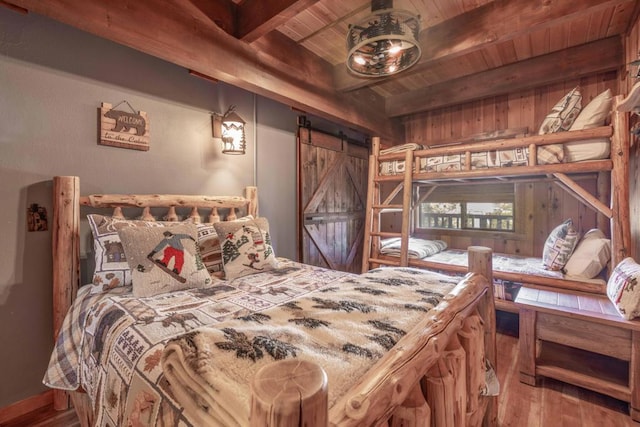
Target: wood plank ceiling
294, 51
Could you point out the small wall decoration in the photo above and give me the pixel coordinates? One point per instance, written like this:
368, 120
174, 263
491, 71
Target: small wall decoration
36, 218
124, 129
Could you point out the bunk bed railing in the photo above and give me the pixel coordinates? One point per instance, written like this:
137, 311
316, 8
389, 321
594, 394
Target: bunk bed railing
505, 144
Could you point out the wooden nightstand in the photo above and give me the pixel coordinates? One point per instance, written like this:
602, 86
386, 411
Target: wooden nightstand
579, 339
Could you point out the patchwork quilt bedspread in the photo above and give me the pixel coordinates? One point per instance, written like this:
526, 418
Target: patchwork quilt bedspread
114, 345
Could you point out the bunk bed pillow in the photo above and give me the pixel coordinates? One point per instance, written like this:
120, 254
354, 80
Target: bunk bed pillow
111, 269
623, 289
163, 259
559, 246
246, 247
594, 114
561, 118
210, 249
590, 256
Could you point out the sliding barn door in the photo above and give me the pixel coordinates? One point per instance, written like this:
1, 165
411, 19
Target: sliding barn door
332, 200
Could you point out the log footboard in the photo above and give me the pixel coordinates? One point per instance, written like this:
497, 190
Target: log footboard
433, 376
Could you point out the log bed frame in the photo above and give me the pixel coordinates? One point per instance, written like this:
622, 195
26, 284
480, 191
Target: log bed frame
443, 357
614, 211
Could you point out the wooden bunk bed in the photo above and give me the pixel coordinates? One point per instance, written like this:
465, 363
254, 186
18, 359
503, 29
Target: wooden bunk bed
446, 352
615, 210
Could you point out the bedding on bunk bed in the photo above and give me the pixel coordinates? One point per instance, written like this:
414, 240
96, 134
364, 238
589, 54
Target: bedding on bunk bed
114, 345
417, 248
585, 264
566, 115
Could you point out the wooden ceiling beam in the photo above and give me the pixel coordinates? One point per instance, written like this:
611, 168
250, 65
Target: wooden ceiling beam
256, 18
567, 64
495, 22
169, 31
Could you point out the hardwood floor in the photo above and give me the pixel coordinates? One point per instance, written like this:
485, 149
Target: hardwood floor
552, 404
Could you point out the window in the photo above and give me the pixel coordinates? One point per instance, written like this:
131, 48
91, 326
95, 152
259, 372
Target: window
481, 207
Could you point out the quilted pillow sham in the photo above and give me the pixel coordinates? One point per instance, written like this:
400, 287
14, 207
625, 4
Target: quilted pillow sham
623, 289
163, 259
111, 267
246, 247
559, 246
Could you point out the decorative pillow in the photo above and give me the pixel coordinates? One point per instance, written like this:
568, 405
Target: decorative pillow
623, 289
209, 245
595, 113
561, 117
590, 256
163, 259
563, 114
111, 268
246, 247
559, 246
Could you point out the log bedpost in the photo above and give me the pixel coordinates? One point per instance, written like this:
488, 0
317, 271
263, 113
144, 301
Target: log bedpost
620, 221
481, 262
66, 257
289, 393
251, 193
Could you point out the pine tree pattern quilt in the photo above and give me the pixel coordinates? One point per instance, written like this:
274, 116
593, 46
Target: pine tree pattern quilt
111, 344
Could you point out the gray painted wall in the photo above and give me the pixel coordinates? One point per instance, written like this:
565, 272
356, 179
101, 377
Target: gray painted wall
52, 81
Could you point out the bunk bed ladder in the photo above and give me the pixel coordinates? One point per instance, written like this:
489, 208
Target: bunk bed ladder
376, 206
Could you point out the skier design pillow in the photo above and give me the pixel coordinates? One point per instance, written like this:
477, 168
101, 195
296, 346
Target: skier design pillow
246, 247
163, 259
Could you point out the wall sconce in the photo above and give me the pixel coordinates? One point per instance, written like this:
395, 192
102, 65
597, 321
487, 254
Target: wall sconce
230, 128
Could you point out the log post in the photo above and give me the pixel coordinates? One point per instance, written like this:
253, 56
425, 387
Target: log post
289, 393
414, 411
481, 262
66, 257
620, 221
251, 194
440, 390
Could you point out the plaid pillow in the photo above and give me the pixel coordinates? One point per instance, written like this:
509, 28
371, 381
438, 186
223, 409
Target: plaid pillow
559, 246
623, 289
210, 249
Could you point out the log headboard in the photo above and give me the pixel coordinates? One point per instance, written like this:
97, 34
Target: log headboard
66, 226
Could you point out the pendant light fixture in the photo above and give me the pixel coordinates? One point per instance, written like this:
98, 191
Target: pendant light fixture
384, 43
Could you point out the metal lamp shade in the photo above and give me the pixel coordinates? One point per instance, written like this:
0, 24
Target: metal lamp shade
384, 43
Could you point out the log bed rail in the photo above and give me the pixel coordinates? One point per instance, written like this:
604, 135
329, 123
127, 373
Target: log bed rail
444, 355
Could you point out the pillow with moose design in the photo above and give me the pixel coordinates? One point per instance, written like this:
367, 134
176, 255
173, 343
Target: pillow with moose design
246, 247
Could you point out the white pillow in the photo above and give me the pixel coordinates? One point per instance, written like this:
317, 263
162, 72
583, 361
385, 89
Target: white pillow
595, 113
590, 256
591, 149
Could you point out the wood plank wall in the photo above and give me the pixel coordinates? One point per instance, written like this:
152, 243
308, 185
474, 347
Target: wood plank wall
632, 53
545, 204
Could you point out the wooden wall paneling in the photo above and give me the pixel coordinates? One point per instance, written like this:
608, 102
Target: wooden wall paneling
541, 221
627, 80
